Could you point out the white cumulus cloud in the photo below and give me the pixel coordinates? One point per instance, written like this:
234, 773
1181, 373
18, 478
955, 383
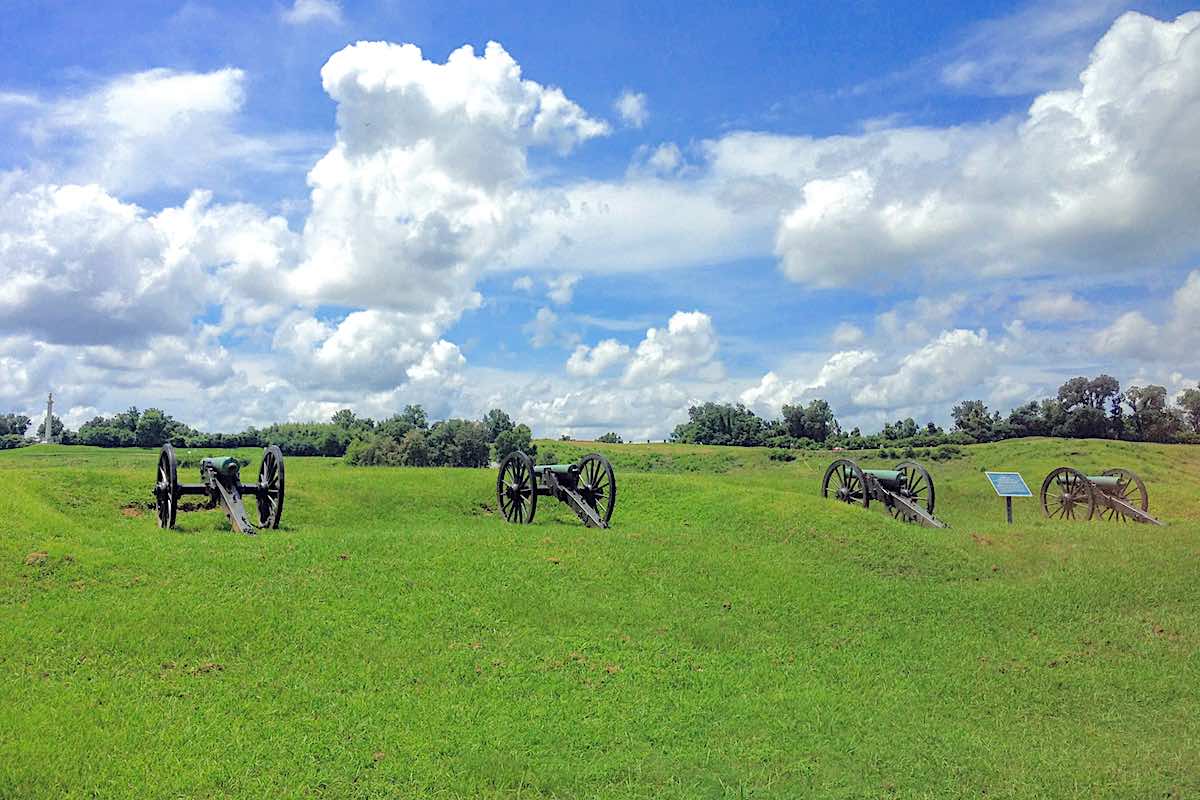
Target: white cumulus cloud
589, 362
302, 12
632, 107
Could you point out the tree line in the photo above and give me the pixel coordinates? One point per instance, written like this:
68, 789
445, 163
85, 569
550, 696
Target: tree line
1082, 408
407, 438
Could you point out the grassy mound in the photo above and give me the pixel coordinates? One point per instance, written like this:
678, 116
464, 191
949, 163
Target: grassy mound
732, 635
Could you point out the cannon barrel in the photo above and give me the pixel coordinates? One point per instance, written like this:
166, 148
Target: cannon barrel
558, 469
890, 478
1106, 483
227, 466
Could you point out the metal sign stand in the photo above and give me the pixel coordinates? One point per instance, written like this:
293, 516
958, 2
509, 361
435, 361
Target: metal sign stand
1008, 485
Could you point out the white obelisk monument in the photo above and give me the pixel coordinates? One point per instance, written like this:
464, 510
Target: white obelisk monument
48, 434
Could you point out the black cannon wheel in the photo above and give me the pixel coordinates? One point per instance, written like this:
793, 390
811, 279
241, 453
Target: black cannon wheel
598, 485
1075, 498
516, 488
166, 487
271, 486
916, 483
847, 482
1131, 489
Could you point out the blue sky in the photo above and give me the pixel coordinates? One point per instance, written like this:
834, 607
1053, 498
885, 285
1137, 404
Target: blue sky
608, 215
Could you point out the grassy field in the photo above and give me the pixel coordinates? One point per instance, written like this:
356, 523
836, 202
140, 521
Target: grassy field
733, 635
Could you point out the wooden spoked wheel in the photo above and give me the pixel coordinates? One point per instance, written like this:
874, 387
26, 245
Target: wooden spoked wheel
1130, 489
271, 488
598, 485
166, 488
1068, 494
845, 481
516, 488
916, 484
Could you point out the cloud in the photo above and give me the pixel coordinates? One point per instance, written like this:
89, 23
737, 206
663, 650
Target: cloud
1037, 48
1054, 305
303, 12
78, 266
688, 345
366, 350
938, 372
523, 284
1087, 179
1168, 344
426, 183
160, 128
543, 328
562, 288
846, 334
834, 381
632, 108
589, 362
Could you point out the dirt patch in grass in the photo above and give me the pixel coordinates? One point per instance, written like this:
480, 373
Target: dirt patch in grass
132, 511
36, 559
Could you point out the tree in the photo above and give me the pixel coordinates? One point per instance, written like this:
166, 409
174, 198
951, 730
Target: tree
14, 424
1027, 420
395, 427
127, 420
414, 452
415, 416
972, 418
56, 427
458, 443
714, 423
1189, 402
373, 450
1084, 423
1102, 390
611, 438
1074, 393
814, 421
496, 422
1150, 418
153, 428
347, 420
1053, 416
514, 439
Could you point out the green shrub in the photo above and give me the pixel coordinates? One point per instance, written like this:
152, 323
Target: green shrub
373, 450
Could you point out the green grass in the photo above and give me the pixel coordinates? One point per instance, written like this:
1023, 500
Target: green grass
733, 635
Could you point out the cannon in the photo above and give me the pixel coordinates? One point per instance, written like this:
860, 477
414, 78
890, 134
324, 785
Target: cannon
1115, 494
221, 484
588, 487
906, 491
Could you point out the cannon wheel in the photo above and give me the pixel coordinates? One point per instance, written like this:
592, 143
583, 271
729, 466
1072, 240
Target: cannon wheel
847, 482
1131, 489
270, 483
516, 488
598, 485
1076, 498
917, 484
166, 487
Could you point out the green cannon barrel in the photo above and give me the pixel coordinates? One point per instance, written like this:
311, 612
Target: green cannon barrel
1106, 483
559, 469
889, 478
222, 465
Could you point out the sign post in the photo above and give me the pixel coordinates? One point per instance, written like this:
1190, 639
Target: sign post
1008, 485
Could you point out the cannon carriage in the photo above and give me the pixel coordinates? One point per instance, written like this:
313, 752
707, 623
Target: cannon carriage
221, 485
1115, 494
588, 487
907, 492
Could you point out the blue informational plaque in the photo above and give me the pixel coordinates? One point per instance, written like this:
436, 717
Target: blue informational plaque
1009, 484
